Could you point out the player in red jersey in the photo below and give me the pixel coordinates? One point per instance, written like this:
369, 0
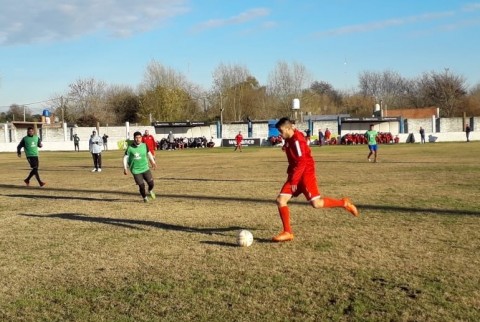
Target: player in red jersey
301, 179
238, 140
149, 140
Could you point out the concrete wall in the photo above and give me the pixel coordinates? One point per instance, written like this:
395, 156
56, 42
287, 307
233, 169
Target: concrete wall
413, 125
57, 139
442, 137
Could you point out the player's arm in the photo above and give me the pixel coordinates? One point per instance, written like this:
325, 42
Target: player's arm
125, 164
40, 144
152, 160
300, 163
20, 146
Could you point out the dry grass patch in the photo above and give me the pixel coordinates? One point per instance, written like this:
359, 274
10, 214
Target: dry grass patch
86, 248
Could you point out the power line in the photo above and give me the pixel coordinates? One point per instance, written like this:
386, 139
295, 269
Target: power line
33, 103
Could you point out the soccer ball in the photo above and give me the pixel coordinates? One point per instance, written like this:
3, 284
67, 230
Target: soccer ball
244, 238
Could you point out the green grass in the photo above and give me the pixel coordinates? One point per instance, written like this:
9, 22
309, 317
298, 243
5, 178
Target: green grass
86, 248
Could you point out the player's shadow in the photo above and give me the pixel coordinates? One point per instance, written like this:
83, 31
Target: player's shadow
411, 210
137, 223
223, 198
215, 180
57, 197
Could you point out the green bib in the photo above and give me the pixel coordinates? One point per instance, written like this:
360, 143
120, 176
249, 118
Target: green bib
372, 137
31, 145
137, 158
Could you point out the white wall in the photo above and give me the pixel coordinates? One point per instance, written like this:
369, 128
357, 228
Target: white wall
54, 138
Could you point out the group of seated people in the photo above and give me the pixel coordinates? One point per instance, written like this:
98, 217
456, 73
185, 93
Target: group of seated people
359, 138
348, 139
183, 143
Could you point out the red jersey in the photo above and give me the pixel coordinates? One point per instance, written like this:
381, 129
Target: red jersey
149, 140
239, 138
300, 160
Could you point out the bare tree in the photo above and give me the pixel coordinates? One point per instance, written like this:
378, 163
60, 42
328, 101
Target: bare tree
445, 90
286, 82
387, 86
472, 101
85, 102
18, 113
232, 84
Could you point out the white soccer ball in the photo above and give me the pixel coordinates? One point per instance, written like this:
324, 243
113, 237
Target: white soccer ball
245, 238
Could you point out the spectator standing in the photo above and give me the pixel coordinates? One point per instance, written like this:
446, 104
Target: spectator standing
149, 140
171, 141
30, 144
95, 146
76, 142
422, 135
467, 131
320, 137
307, 135
238, 141
328, 134
105, 141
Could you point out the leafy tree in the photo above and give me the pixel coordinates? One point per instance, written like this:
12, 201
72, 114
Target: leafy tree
123, 104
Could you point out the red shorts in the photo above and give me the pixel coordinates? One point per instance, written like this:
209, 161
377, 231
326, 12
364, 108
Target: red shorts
307, 185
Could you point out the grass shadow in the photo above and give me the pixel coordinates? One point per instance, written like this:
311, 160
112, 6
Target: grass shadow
418, 209
68, 198
218, 243
361, 207
134, 223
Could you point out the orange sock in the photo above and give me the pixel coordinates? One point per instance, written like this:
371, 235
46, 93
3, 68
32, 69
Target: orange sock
285, 216
331, 203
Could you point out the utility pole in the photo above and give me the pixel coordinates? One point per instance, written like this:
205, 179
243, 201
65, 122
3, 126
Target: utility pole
61, 107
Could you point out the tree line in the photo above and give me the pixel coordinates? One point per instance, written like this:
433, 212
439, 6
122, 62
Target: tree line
166, 94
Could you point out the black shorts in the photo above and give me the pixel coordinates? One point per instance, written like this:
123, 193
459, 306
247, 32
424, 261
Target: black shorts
33, 161
147, 176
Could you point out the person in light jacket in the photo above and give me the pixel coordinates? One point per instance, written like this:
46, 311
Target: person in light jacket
95, 146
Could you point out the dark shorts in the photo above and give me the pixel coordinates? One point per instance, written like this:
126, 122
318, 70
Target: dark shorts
140, 177
33, 161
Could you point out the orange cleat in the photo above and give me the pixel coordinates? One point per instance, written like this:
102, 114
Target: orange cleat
350, 207
283, 237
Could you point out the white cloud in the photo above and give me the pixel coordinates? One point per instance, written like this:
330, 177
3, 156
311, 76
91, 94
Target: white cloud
471, 7
243, 17
377, 25
27, 21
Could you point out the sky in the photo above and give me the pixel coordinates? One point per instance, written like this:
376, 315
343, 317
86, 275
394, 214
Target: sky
47, 45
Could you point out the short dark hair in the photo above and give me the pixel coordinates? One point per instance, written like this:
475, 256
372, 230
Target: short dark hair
282, 122
137, 133
29, 128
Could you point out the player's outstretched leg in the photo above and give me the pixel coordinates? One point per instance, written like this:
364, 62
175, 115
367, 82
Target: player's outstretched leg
150, 189
284, 211
141, 188
332, 203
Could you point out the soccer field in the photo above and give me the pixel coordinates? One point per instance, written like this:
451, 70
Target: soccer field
86, 248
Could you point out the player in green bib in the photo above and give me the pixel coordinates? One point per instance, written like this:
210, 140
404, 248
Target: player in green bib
30, 144
136, 160
371, 136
